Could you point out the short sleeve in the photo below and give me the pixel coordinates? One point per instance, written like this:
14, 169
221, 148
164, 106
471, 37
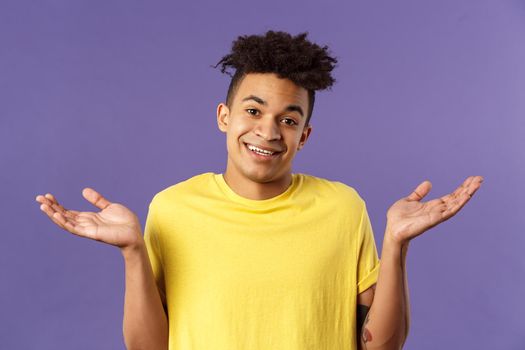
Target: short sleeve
151, 237
368, 261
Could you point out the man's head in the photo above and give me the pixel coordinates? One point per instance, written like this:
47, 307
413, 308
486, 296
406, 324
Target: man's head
295, 58
270, 101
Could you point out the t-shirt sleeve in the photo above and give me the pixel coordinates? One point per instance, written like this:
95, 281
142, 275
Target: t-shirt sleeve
368, 261
151, 237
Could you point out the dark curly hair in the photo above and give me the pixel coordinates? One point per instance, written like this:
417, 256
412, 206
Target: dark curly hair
303, 62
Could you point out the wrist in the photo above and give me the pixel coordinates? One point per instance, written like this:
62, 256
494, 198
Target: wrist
391, 244
396, 235
134, 249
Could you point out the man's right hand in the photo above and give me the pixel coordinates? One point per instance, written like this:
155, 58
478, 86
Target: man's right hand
113, 224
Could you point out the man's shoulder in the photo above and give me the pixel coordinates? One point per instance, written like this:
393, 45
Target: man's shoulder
335, 189
343, 200
185, 187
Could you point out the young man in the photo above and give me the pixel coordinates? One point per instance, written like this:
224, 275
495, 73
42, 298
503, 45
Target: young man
260, 257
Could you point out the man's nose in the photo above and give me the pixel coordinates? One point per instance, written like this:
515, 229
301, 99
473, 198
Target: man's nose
268, 129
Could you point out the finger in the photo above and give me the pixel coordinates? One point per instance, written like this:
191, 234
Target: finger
462, 188
435, 203
83, 218
52, 198
50, 213
53, 203
41, 199
67, 225
56, 207
457, 200
448, 198
421, 191
474, 185
86, 218
469, 187
50, 210
455, 205
458, 203
467, 184
458, 192
95, 198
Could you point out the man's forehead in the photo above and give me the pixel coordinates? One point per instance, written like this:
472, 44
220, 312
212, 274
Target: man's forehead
269, 87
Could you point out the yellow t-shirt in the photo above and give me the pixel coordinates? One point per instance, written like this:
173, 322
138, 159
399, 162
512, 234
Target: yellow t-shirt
242, 274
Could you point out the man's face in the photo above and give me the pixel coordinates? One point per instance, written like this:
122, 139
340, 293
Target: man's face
270, 113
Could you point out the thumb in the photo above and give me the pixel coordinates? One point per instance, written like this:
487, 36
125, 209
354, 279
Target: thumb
95, 198
420, 191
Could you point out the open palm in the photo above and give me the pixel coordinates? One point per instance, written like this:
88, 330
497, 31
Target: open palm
113, 224
409, 217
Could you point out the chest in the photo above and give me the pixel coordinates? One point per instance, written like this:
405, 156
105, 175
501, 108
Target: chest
286, 247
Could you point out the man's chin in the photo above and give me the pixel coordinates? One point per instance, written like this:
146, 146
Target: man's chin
264, 177
261, 178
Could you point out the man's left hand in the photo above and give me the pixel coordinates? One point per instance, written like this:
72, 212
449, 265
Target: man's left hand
409, 217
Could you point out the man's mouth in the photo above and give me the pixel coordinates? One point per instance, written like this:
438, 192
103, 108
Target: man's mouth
261, 152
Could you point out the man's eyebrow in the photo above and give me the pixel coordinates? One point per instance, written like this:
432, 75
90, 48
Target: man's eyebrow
256, 99
290, 108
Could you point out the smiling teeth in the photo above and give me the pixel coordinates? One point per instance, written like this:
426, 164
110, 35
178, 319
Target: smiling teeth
261, 151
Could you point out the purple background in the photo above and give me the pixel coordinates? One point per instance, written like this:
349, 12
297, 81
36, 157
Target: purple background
120, 96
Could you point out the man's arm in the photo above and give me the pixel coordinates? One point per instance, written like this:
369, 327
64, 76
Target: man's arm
387, 321
364, 301
145, 323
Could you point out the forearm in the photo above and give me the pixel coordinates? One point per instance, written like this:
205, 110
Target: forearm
387, 323
145, 324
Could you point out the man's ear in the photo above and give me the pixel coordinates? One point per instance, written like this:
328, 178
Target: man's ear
304, 136
223, 116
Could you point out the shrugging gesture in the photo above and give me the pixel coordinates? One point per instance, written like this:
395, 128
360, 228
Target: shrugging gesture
145, 324
409, 217
387, 323
113, 224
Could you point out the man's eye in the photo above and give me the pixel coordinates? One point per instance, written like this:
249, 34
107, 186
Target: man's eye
290, 121
252, 111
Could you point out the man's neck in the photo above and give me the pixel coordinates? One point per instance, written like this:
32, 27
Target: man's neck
250, 189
